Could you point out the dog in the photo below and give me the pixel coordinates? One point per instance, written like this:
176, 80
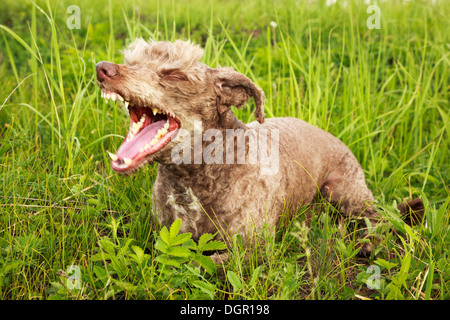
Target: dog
169, 93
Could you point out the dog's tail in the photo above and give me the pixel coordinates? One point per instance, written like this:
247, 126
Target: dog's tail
412, 211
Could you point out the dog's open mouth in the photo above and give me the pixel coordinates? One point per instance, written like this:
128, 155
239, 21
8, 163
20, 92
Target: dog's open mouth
151, 129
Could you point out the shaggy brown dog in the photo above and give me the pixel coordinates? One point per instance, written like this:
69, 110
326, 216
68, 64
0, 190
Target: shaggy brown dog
214, 179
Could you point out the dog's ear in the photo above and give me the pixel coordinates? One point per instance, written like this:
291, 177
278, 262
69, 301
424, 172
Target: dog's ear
172, 74
235, 89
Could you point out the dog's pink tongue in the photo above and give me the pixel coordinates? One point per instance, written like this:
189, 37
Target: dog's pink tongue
131, 148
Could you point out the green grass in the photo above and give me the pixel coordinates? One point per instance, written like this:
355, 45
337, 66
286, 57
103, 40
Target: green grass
384, 92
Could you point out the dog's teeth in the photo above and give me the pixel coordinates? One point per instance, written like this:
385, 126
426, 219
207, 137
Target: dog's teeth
127, 161
113, 156
130, 135
144, 148
126, 104
156, 111
143, 118
166, 126
120, 98
136, 126
161, 133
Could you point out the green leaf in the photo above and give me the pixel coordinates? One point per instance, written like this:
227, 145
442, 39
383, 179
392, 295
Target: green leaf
429, 281
55, 297
126, 286
179, 252
138, 251
403, 273
21, 41
107, 245
442, 264
164, 234
436, 218
400, 279
206, 263
139, 257
119, 267
163, 259
195, 271
234, 280
204, 238
207, 288
385, 264
124, 249
181, 238
394, 293
109, 294
161, 246
175, 228
11, 266
93, 201
101, 256
255, 275
101, 274
190, 244
411, 233
398, 223
206, 243
214, 245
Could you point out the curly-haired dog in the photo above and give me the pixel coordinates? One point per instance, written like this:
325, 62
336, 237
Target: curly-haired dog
167, 91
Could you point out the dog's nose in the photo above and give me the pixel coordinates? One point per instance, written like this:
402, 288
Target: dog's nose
106, 70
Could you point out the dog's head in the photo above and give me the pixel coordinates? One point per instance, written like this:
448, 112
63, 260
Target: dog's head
164, 87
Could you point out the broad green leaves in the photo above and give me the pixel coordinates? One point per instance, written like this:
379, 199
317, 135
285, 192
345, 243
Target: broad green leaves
180, 248
177, 267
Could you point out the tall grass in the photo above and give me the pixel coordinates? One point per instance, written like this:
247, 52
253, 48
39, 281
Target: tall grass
384, 92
